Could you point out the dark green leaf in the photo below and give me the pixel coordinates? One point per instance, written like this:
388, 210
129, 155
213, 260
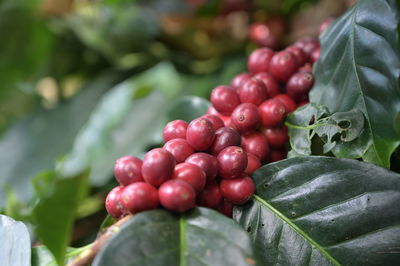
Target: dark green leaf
199, 237
188, 108
324, 211
359, 69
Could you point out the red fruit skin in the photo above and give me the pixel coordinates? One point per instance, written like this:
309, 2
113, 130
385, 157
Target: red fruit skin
238, 190
179, 148
271, 84
253, 164
200, 134
191, 174
325, 24
232, 161
277, 137
239, 79
215, 120
127, 170
272, 112
307, 67
224, 137
299, 85
177, 195
307, 45
315, 55
299, 54
212, 111
245, 117
139, 196
113, 202
256, 143
158, 166
261, 35
300, 104
253, 91
226, 208
224, 99
283, 64
289, 103
259, 60
175, 130
207, 162
211, 196
277, 155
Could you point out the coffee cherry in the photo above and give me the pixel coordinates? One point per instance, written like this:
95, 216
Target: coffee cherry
289, 103
253, 91
277, 155
315, 55
200, 134
158, 166
271, 84
179, 148
307, 67
239, 79
232, 161
207, 162
212, 111
304, 102
226, 208
224, 99
299, 54
127, 170
261, 35
253, 163
325, 24
177, 195
113, 202
215, 120
307, 45
211, 196
277, 136
256, 143
191, 174
283, 65
175, 130
245, 117
224, 137
139, 196
272, 112
299, 85
259, 60
237, 190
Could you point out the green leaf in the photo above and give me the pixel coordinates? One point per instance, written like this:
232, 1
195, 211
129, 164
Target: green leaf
359, 69
14, 242
199, 237
41, 256
188, 108
324, 211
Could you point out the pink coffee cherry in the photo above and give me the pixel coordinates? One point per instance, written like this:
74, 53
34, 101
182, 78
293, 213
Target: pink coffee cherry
200, 134
139, 196
259, 60
272, 112
175, 130
158, 166
253, 163
256, 143
238, 190
271, 84
191, 174
215, 120
283, 65
239, 79
179, 148
299, 85
113, 202
232, 161
127, 170
224, 137
177, 195
224, 99
277, 136
207, 162
253, 91
211, 196
246, 117
289, 103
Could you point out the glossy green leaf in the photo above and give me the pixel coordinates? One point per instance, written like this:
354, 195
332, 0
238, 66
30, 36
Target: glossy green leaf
324, 211
199, 237
188, 108
359, 69
15, 244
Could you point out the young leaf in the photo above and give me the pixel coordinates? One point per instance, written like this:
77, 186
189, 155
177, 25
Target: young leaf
324, 211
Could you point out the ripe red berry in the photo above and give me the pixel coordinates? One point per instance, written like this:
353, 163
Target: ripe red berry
139, 196
232, 161
113, 202
239, 79
245, 117
283, 64
289, 103
277, 136
127, 170
253, 163
307, 67
256, 143
177, 195
253, 91
200, 134
179, 148
315, 55
158, 166
325, 25
272, 112
215, 120
224, 137
259, 60
277, 155
175, 130
299, 85
262, 35
299, 54
270, 83
207, 162
304, 102
191, 174
224, 99
212, 111
211, 196
237, 190
307, 44
225, 208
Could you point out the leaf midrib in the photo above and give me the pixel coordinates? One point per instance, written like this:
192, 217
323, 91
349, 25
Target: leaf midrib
182, 241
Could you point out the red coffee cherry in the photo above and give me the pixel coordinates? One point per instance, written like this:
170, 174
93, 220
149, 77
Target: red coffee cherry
325, 24
191, 174
289, 103
300, 104
239, 79
245, 117
113, 202
207, 162
175, 130
277, 136
253, 91
211, 196
139, 196
232, 161
259, 60
271, 84
256, 143
299, 54
200, 134
127, 170
212, 111
224, 137
261, 34
277, 155
299, 85
215, 120
315, 55
224, 99
272, 112
238, 190
253, 163
307, 44
179, 148
226, 208
177, 195
283, 65
158, 166
307, 67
